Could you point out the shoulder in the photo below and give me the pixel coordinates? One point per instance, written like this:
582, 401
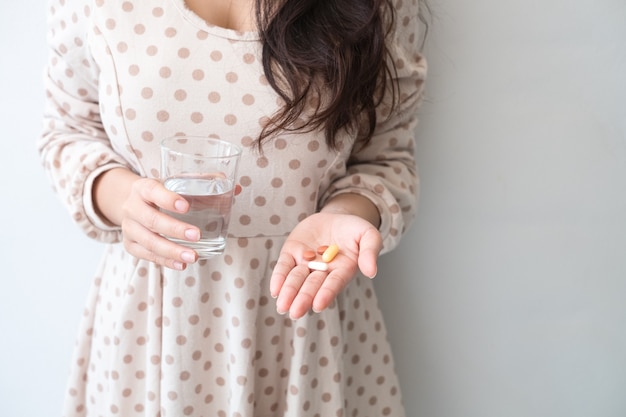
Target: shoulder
409, 26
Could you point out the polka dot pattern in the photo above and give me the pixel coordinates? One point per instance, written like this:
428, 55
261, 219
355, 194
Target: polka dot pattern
208, 341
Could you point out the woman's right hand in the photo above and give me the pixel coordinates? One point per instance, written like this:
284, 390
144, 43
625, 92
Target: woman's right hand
133, 203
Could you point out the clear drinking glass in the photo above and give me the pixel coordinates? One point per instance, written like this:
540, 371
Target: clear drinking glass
203, 171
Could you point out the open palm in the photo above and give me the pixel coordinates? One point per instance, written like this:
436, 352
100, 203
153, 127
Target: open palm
299, 288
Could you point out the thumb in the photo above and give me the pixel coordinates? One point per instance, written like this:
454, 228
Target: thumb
369, 247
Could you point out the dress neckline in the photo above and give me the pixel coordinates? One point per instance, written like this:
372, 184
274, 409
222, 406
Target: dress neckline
201, 24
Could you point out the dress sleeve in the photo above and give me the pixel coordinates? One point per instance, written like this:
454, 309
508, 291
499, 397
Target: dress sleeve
385, 170
73, 146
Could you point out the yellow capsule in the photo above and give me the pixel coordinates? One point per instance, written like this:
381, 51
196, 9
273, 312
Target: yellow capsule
330, 253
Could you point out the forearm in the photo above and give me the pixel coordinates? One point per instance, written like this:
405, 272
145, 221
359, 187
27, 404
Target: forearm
110, 191
355, 204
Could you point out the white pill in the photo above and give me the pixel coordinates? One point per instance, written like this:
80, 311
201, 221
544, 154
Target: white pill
318, 266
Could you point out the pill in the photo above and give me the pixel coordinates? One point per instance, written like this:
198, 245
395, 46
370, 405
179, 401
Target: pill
318, 266
330, 253
322, 249
308, 255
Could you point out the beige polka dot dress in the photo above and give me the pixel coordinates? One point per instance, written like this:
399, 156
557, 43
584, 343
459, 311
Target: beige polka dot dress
208, 341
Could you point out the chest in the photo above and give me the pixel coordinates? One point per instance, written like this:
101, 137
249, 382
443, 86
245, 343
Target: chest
162, 74
230, 14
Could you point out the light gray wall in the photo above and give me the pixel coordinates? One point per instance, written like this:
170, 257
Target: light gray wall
508, 297
46, 264
509, 294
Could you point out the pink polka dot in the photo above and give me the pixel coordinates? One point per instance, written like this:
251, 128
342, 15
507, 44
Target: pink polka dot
230, 119
165, 72
197, 117
198, 75
163, 116
214, 97
248, 99
146, 93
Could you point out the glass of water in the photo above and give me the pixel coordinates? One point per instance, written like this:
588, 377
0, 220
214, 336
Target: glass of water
203, 171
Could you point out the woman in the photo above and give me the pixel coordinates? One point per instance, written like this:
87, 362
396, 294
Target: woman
322, 96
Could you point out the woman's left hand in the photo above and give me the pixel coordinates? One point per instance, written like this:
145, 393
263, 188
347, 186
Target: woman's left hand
298, 288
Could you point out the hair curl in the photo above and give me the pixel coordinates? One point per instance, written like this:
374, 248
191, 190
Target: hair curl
328, 55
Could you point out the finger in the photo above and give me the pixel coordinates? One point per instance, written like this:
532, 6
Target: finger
369, 248
139, 251
332, 285
155, 247
303, 300
142, 209
154, 192
284, 265
291, 287
157, 221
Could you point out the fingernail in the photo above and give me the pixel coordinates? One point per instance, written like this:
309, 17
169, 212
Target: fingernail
192, 234
180, 205
178, 265
188, 257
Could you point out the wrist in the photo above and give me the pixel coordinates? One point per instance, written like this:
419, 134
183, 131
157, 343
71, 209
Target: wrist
353, 204
110, 190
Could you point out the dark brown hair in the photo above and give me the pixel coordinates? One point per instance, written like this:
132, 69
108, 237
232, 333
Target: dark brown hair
331, 55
